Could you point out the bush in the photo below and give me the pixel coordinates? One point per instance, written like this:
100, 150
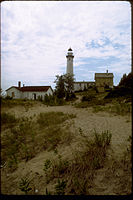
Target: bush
88, 98
53, 100
8, 98
70, 96
119, 92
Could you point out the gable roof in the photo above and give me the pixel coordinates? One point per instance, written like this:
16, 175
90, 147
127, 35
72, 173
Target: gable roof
103, 75
32, 88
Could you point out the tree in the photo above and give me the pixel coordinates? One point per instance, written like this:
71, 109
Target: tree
69, 84
123, 79
60, 86
126, 80
64, 86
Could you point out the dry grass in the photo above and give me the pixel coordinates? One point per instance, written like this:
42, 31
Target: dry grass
29, 137
81, 168
56, 169
117, 108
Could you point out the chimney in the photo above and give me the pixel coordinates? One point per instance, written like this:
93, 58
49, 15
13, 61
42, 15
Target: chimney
19, 84
107, 71
23, 85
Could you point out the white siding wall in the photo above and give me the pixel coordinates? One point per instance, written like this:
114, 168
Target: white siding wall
80, 86
28, 95
17, 93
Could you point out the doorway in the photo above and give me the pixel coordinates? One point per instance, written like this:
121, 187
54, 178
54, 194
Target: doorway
34, 95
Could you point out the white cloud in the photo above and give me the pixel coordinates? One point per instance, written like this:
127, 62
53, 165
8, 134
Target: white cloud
36, 36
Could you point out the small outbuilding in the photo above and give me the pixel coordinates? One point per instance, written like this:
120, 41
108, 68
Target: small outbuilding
103, 80
29, 92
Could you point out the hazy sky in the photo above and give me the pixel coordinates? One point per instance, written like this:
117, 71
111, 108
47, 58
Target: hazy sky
36, 35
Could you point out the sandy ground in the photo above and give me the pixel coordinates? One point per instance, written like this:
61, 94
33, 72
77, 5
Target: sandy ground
87, 120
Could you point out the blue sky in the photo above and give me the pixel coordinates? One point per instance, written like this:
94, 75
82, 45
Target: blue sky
36, 35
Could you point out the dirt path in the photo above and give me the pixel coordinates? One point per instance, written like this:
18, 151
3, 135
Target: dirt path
119, 126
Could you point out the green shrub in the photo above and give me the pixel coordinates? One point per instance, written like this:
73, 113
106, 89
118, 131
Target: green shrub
88, 97
119, 91
24, 185
8, 98
53, 100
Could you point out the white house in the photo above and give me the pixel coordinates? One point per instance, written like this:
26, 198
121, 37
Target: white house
29, 92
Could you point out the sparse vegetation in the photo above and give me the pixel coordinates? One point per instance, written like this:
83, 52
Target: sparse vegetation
117, 108
75, 173
24, 143
9, 102
53, 100
52, 118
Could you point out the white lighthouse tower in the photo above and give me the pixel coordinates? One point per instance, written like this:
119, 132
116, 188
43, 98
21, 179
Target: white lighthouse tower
69, 57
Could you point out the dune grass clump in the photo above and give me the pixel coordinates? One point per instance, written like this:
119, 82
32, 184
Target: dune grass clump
78, 173
102, 139
53, 118
24, 185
